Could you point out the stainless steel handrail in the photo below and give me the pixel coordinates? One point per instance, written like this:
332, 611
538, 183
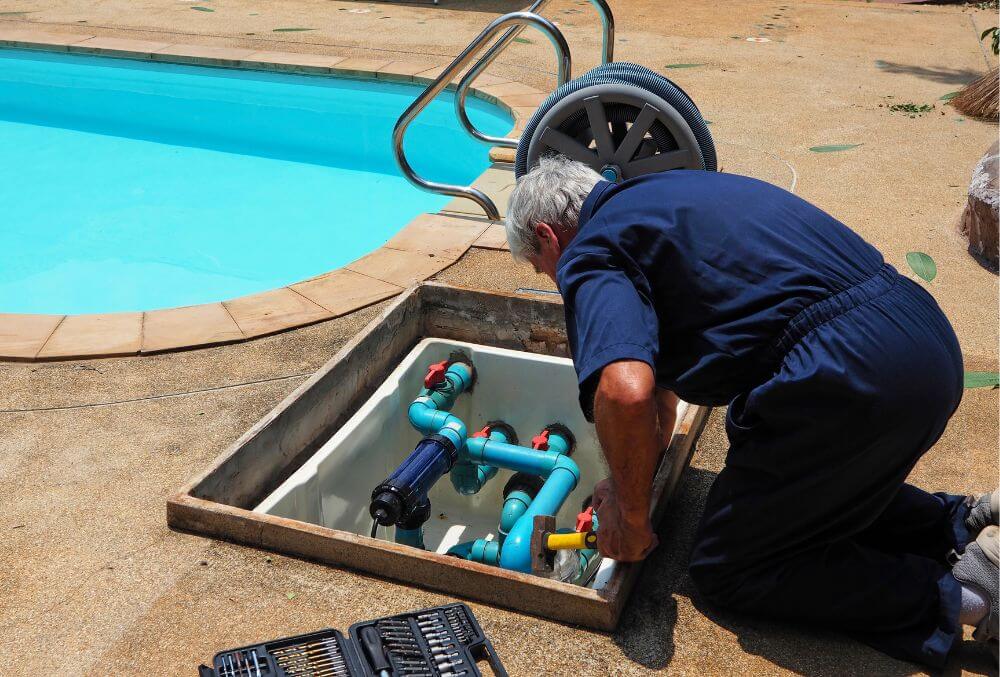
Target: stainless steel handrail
607, 54
513, 19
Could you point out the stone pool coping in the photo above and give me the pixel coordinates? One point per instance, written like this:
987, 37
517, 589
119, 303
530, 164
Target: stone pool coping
424, 247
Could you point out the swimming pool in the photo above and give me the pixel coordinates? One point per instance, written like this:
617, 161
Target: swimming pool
131, 185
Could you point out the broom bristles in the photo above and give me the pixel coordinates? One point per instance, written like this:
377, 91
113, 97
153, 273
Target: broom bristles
979, 99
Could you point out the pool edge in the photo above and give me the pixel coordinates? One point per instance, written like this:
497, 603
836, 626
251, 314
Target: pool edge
381, 274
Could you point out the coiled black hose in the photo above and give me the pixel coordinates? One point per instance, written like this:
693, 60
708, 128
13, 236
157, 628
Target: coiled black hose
630, 74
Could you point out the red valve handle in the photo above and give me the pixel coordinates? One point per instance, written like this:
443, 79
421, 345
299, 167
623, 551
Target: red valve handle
541, 441
485, 432
585, 520
435, 374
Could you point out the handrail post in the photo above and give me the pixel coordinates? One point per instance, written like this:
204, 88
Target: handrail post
607, 55
608, 30
437, 86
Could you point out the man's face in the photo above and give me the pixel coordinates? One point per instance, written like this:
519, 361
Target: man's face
549, 250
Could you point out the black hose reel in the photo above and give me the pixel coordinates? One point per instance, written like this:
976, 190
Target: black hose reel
623, 120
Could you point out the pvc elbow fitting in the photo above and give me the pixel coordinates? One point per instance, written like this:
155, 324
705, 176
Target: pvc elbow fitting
469, 478
479, 550
514, 506
516, 552
459, 375
429, 420
487, 552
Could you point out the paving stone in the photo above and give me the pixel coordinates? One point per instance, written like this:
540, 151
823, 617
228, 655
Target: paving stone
399, 267
188, 327
20, 36
497, 182
99, 335
402, 71
505, 89
447, 236
22, 336
344, 291
201, 54
522, 100
292, 62
359, 67
119, 47
273, 311
495, 237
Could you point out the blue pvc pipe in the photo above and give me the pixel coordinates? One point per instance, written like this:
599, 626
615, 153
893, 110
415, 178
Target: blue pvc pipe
462, 550
487, 552
586, 557
468, 477
512, 457
513, 507
429, 414
429, 421
479, 550
429, 411
411, 537
558, 443
516, 552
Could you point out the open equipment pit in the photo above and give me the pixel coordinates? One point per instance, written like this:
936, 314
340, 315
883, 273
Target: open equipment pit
301, 481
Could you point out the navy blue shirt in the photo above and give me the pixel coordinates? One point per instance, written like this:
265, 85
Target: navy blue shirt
697, 273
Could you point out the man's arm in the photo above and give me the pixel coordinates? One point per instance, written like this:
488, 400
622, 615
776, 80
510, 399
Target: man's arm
627, 419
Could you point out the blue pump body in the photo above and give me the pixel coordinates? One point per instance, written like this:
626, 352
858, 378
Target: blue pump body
425, 465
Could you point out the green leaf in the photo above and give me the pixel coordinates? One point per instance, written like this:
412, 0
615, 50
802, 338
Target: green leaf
684, 65
922, 264
293, 29
835, 148
199, 8
949, 96
291, 595
982, 379
911, 108
524, 41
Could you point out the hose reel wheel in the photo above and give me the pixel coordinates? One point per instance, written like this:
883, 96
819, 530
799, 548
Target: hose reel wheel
621, 119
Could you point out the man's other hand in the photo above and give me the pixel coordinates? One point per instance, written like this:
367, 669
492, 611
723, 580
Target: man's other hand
621, 536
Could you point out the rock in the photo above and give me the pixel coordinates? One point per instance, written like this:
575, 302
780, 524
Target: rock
980, 224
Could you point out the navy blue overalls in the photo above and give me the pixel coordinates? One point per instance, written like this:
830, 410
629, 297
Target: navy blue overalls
839, 374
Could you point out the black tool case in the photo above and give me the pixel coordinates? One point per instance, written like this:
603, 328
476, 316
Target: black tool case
443, 641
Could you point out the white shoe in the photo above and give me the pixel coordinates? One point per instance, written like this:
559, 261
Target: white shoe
983, 512
979, 569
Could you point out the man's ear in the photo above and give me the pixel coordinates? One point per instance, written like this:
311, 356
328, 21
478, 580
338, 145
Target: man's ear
545, 233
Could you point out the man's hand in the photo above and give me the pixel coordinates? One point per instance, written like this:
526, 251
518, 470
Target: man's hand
622, 537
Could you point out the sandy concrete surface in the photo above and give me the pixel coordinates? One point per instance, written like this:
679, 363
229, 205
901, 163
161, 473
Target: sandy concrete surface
93, 580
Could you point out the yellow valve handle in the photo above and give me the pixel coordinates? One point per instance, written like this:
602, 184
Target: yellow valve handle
577, 540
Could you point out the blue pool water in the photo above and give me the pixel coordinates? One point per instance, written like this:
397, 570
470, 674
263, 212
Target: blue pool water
128, 185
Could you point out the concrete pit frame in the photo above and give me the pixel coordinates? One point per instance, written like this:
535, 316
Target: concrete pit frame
219, 502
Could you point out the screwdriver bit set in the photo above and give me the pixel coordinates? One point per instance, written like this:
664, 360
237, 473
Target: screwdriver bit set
444, 641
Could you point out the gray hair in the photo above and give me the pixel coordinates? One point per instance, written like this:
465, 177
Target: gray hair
552, 193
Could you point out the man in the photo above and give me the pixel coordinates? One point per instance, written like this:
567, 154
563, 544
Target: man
839, 374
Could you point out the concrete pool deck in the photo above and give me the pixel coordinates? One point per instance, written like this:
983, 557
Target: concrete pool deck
90, 449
